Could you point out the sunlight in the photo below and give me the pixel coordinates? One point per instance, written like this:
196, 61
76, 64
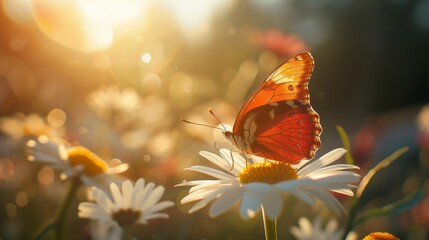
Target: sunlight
111, 11
86, 26
194, 16
146, 58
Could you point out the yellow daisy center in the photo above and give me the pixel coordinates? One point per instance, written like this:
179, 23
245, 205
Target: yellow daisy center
268, 172
126, 217
93, 165
380, 236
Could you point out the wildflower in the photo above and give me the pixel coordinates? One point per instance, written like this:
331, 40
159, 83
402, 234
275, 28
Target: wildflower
261, 183
380, 236
75, 161
114, 102
130, 204
313, 230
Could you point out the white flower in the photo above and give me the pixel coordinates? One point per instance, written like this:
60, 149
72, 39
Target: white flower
130, 204
112, 101
74, 162
313, 230
265, 183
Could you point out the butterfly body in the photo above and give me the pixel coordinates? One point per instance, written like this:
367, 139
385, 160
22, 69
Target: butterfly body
278, 122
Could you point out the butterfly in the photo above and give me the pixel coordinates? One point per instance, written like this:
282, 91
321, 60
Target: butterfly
277, 122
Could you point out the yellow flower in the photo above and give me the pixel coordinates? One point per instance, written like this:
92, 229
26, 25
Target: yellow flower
75, 161
380, 236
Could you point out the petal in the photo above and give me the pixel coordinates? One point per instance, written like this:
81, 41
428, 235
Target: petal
208, 198
102, 199
127, 194
237, 160
322, 161
213, 184
139, 188
225, 201
141, 197
273, 204
337, 167
306, 226
143, 219
327, 198
340, 177
223, 163
159, 207
212, 172
252, 198
200, 194
92, 211
153, 198
196, 182
117, 196
117, 169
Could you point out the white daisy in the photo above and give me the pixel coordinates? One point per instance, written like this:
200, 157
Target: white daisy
130, 204
314, 231
115, 102
75, 161
266, 183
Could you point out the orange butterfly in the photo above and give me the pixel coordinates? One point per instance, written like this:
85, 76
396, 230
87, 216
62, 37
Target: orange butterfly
277, 122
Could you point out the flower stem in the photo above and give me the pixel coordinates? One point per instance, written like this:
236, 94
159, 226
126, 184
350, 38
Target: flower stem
57, 222
352, 215
270, 227
64, 209
44, 230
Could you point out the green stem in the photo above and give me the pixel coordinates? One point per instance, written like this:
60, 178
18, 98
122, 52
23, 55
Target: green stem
352, 215
126, 233
58, 221
270, 227
44, 230
64, 209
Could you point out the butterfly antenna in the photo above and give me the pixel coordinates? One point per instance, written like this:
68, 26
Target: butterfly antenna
219, 121
201, 124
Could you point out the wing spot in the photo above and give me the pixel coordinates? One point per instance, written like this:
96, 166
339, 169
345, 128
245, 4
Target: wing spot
299, 132
272, 114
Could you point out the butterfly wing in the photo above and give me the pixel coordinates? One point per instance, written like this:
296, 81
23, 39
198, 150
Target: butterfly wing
286, 131
278, 122
289, 81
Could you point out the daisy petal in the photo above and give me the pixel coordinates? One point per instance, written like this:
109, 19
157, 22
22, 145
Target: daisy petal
322, 161
211, 172
225, 201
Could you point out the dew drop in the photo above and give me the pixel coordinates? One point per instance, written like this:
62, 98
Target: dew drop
299, 133
290, 87
299, 122
298, 145
292, 114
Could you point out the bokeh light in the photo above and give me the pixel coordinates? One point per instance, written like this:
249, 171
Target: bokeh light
46, 176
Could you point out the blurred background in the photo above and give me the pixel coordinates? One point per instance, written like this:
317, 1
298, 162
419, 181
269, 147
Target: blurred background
117, 76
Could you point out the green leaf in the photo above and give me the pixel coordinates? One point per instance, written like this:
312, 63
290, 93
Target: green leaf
346, 144
383, 164
396, 207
